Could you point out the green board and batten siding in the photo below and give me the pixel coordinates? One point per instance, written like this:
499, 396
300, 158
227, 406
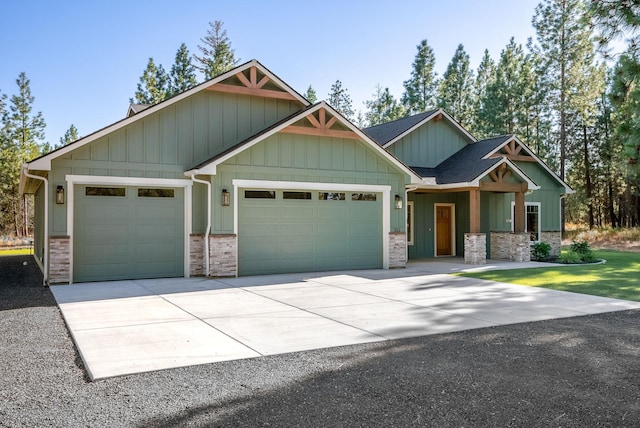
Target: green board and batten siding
430, 144
168, 142
278, 235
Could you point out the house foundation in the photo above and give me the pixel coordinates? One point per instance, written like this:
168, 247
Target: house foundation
554, 239
475, 248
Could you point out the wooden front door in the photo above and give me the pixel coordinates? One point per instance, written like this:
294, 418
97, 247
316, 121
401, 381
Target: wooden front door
443, 230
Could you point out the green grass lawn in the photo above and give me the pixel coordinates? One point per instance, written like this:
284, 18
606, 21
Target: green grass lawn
619, 277
18, 252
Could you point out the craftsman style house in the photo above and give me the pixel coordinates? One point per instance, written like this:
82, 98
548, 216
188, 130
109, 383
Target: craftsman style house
241, 175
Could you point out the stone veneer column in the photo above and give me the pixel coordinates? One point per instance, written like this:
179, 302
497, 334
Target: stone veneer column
475, 248
59, 262
223, 255
501, 245
520, 247
196, 255
397, 250
554, 239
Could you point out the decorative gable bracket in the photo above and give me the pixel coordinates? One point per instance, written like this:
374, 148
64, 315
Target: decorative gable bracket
320, 126
253, 84
512, 151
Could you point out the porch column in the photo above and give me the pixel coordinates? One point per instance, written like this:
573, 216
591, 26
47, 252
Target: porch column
474, 211
518, 217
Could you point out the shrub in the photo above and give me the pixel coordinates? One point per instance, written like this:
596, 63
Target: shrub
541, 251
583, 250
569, 257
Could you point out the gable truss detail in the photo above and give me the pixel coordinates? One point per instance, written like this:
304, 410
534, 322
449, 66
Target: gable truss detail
252, 86
320, 126
512, 151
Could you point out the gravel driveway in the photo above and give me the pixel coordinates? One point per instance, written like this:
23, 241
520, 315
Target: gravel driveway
582, 371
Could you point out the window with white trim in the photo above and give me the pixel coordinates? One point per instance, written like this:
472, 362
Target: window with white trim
531, 219
409, 222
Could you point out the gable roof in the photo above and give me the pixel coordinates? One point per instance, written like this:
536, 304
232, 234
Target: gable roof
44, 162
388, 133
510, 138
209, 166
470, 164
136, 108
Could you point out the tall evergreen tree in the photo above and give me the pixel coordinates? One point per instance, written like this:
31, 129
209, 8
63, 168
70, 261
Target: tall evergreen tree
153, 85
22, 134
454, 92
340, 100
564, 40
70, 136
499, 108
484, 78
217, 56
382, 108
617, 19
183, 74
420, 89
311, 95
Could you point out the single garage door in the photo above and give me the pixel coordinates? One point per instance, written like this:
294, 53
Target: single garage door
127, 233
304, 231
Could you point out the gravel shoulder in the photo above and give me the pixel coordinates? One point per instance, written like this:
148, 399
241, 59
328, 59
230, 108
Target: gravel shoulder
582, 371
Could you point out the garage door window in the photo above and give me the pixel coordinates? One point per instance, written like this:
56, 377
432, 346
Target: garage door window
259, 194
156, 193
363, 197
296, 195
105, 191
324, 196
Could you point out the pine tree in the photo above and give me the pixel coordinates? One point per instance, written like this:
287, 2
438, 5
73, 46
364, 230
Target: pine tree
454, 92
183, 74
22, 134
340, 100
69, 137
217, 56
617, 19
564, 41
485, 77
382, 108
153, 85
420, 89
311, 95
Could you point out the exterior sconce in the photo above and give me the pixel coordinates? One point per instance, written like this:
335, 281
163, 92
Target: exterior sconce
226, 198
398, 202
59, 195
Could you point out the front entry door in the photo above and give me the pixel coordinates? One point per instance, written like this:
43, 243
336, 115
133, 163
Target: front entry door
444, 219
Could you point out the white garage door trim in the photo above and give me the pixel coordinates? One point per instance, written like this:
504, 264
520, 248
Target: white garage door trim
303, 185
72, 180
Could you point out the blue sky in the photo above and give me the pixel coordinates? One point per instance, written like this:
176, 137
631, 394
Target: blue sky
84, 58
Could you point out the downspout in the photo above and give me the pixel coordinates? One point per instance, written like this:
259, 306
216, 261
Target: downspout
208, 229
45, 274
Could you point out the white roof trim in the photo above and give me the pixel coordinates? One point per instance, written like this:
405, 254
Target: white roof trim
427, 119
210, 168
567, 188
44, 163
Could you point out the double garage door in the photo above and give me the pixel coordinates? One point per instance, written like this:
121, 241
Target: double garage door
123, 232
302, 231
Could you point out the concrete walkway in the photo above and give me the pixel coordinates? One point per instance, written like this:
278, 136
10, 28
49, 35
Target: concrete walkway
128, 327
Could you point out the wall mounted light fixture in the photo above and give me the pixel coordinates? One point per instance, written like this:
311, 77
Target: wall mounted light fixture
59, 195
226, 198
398, 202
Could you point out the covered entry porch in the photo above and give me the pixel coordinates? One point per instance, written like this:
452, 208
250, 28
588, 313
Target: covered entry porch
456, 220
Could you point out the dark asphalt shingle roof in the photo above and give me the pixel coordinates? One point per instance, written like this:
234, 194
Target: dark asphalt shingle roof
386, 132
465, 165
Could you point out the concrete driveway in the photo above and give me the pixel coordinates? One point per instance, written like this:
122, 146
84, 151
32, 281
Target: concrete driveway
128, 327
